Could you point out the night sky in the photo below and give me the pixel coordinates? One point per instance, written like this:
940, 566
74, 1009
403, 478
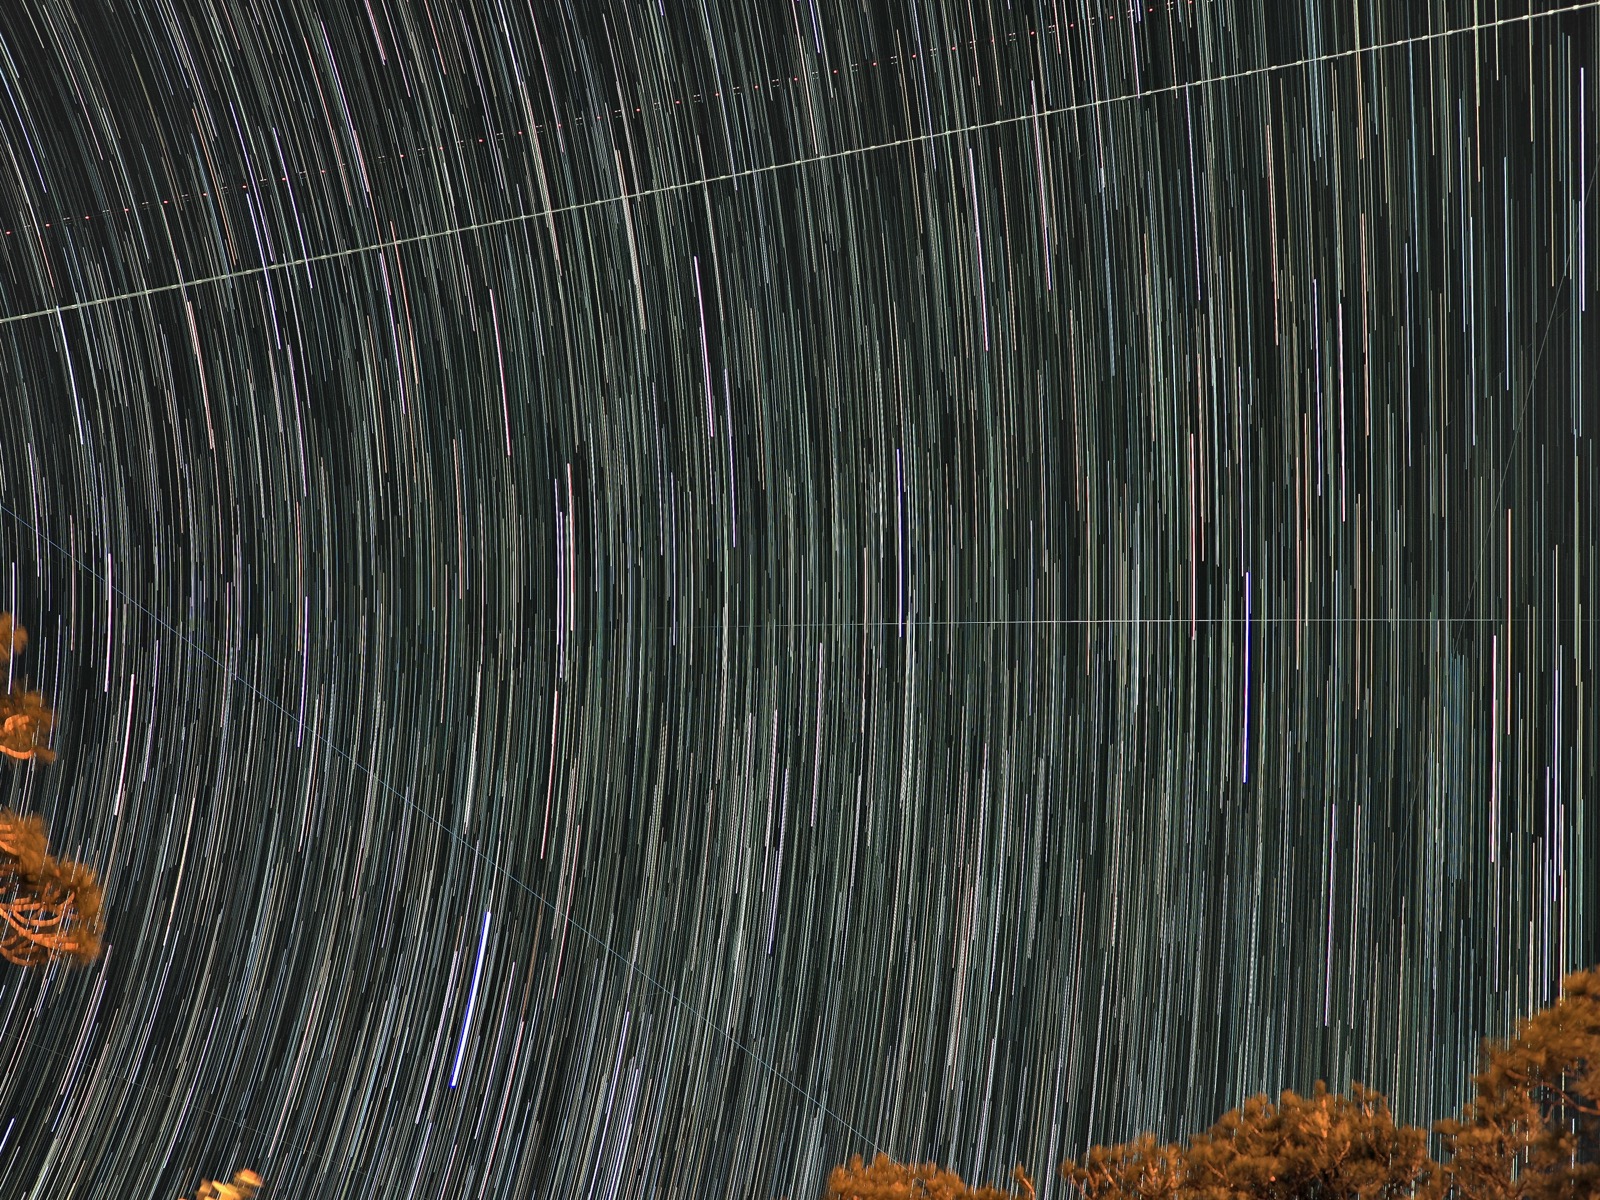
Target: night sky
642, 597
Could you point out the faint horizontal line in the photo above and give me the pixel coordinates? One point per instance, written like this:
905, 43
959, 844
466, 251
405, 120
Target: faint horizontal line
752, 172
1167, 621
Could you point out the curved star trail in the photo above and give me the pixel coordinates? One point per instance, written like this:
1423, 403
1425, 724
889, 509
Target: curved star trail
641, 601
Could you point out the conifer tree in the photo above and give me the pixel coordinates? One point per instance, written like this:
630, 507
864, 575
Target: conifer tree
1318, 1147
244, 1186
886, 1179
25, 721
1532, 1132
48, 908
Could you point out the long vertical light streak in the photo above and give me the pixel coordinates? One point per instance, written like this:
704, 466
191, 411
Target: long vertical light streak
472, 1001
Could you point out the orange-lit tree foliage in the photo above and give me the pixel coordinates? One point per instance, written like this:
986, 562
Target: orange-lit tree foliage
1531, 1133
25, 722
48, 908
886, 1179
1142, 1168
1317, 1147
245, 1185
1322, 1145
1533, 1130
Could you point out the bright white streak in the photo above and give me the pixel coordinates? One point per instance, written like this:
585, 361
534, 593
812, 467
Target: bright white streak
472, 1000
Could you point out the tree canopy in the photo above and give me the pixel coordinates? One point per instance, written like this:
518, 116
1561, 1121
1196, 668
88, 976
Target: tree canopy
49, 908
25, 720
1531, 1132
886, 1179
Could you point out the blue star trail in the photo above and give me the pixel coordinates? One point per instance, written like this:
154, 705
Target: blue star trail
641, 598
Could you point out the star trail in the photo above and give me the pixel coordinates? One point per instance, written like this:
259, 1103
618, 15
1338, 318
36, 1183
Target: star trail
640, 598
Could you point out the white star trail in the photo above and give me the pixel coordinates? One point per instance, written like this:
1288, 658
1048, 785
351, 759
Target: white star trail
951, 580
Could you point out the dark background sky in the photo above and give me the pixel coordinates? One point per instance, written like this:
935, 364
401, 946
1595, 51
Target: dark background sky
644, 599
